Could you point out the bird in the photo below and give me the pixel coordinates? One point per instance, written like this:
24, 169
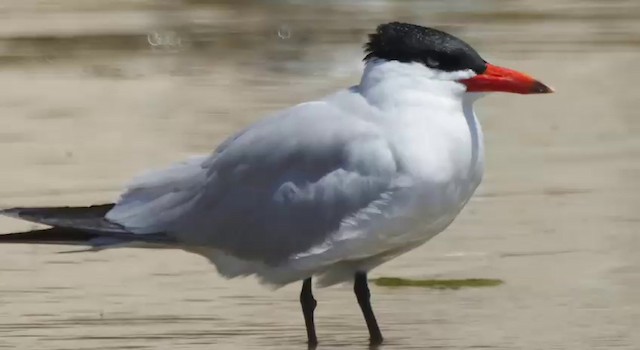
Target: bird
326, 189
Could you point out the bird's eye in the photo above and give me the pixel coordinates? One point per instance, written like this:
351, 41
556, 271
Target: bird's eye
432, 62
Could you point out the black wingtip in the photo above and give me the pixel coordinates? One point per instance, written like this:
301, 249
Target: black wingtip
53, 235
90, 218
11, 212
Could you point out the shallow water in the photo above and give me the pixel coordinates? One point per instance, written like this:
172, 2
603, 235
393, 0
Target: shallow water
92, 95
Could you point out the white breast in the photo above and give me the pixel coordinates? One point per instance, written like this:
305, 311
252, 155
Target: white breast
435, 135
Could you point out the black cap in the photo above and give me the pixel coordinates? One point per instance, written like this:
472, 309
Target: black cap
436, 49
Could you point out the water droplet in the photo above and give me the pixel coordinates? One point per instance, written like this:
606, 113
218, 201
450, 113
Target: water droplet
284, 32
168, 39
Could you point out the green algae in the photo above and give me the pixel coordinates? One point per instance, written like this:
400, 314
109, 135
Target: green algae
437, 283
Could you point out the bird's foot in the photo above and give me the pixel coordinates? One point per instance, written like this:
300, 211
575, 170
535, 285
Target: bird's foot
375, 342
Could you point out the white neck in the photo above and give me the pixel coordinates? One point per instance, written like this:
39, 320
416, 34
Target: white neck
430, 118
382, 80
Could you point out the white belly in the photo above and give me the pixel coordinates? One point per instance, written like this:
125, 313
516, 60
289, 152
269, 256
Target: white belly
424, 210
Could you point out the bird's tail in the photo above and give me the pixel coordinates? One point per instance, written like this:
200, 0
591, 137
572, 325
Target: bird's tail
76, 226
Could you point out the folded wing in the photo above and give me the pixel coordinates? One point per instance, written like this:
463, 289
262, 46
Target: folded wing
274, 190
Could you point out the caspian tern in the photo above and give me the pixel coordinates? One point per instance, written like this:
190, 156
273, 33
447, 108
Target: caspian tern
330, 188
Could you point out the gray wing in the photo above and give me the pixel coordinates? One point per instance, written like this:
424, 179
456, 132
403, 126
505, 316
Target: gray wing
276, 189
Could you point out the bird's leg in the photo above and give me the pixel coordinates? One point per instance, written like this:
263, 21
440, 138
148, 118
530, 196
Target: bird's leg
363, 295
308, 306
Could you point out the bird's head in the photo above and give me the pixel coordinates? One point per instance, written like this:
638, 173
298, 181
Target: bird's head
447, 58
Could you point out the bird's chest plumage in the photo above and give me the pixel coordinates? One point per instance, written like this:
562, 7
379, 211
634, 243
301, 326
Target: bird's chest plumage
436, 141
440, 164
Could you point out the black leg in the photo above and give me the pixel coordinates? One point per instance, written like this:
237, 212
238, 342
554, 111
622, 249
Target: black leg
363, 295
308, 306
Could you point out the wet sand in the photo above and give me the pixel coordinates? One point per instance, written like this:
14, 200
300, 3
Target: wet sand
91, 96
